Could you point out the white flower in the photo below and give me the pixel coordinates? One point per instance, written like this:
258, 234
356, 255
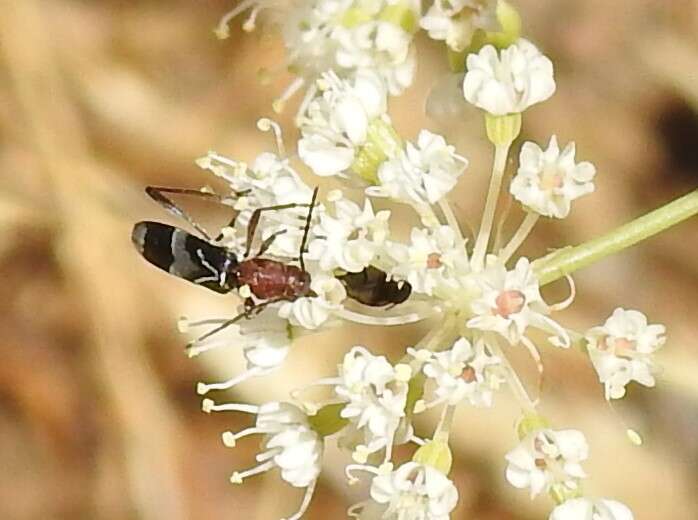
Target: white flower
548, 180
420, 174
588, 509
412, 492
340, 35
547, 457
289, 444
455, 21
381, 46
463, 372
375, 397
265, 341
351, 238
269, 181
307, 29
510, 302
313, 311
509, 81
431, 260
336, 123
622, 349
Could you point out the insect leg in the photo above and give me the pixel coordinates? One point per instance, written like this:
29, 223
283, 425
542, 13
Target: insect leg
269, 241
254, 221
222, 326
307, 227
249, 312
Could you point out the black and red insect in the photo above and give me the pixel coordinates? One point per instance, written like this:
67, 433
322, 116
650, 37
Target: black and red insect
204, 262
208, 264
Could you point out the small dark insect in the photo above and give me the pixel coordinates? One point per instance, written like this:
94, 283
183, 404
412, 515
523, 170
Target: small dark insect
372, 287
205, 263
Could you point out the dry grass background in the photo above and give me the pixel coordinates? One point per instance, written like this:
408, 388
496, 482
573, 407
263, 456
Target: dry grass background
98, 415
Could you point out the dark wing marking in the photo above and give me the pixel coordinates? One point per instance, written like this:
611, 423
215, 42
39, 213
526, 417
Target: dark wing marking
186, 256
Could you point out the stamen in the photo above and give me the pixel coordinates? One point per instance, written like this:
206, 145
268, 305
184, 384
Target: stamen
305, 503
356, 510
230, 439
265, 124
195, 349
327, 381
222, 31
280, 102
360, 454
358, 467
239, 476
249, 24
433, 404
568, 301
307, 98
417, 440
209, 405
203, 388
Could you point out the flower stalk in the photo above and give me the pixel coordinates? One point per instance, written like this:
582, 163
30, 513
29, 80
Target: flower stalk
568, 260
501, 152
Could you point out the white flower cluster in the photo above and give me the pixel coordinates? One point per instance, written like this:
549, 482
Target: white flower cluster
311, 262
341, 35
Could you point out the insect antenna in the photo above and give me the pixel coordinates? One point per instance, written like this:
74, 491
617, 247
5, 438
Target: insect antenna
306, 230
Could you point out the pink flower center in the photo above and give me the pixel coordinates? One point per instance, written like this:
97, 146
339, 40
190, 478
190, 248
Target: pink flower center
551, 179
433, 260
618, 345
509, 302
468, 374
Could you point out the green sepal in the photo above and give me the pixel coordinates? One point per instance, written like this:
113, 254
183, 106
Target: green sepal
530, 423
503, 130
415, 391
354, 16
401, 15
328, 421
382, 142
436, 454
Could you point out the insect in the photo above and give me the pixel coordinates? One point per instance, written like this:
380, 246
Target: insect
372, 287
205, 263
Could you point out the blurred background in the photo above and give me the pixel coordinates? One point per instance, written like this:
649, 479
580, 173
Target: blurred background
98, 414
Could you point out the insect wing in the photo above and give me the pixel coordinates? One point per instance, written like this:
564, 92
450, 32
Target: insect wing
186, 256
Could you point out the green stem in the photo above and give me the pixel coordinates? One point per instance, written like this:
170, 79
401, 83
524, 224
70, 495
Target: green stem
568, 260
